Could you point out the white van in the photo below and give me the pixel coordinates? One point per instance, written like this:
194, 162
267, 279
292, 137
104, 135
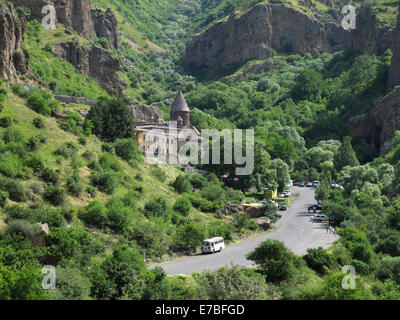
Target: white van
213, 245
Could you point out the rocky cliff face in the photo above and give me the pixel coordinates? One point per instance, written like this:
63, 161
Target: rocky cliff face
379, 126
282, 28
13, 57
394, 71
71, 13
78, 15
105, 25
94, 62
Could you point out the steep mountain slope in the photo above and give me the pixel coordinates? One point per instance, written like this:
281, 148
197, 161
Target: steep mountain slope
253, 34
13, 57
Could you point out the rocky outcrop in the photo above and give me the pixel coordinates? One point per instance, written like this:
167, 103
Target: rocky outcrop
394, 71
77, 100
13, 56
78, 15
106, 26
75, 14
142, 113
256, 68
94, 62
379, 126
283, 28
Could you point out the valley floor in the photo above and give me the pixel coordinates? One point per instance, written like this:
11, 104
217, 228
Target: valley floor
294, 229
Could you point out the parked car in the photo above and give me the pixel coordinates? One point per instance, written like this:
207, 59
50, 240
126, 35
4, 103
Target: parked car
301, 184
281, 195
320, 218
287, 193
309, 184
283, 207
316, 183
315, 207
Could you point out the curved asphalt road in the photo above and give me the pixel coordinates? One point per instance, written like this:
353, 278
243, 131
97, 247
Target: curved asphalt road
294, 229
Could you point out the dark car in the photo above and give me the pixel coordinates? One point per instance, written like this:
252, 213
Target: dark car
315, 207
283, 207
301, 184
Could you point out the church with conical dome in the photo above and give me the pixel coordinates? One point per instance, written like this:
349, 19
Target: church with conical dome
161, 138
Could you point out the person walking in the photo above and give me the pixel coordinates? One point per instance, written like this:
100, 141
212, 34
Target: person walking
327, 229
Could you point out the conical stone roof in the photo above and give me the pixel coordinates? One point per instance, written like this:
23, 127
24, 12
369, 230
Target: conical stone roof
180, 103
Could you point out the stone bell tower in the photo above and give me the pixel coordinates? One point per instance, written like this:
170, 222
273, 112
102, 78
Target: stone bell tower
180, 111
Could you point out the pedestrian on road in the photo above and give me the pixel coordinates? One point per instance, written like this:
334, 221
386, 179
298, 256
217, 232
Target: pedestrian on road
327, 229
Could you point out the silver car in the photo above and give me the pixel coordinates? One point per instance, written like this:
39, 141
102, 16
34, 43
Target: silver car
320, 218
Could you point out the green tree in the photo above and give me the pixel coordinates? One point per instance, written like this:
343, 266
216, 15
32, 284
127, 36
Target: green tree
275, 260
111, 119
190, 236
345, 155
232, 283
308, 85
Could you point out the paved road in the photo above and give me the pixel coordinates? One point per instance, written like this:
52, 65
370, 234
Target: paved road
294, 228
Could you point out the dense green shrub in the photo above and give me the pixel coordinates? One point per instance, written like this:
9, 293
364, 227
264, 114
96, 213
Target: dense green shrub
38, 213
19, 90
39, 104
3, 198
12, 134
127, 149
22, 227
15, 189
74, 242
38, 123
109, 162
190, 236
157, 207
50, 176
183, 206
5, 122
203, 204
232, 283
181, 184
71, 284
74, 184
319, 260
220, 229
33, 143
55, 195
107, 181
36, 163
95, 214
67, 150
197, 180
10, 164
243, 220
361, 267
